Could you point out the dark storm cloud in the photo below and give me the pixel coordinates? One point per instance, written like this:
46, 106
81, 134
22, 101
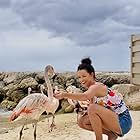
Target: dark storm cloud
87, 22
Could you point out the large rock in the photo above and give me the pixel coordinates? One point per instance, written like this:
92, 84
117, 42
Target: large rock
111, 78
131, 95
125, 89
2, 94
2, 75
133, 101
66, 107
10, 77
16, 95
28, 82
8, 104
40, 77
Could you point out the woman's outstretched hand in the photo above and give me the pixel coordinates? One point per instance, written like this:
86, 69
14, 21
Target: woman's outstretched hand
84, 103
60, 94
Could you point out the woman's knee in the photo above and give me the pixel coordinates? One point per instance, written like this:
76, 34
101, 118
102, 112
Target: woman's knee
92, 109
83, 121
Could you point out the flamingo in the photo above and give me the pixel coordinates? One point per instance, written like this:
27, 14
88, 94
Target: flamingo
53, 102
33, 105
80, 106
29, 90
71, 89
42, 87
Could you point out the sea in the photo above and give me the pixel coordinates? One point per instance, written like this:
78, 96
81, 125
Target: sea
5, 125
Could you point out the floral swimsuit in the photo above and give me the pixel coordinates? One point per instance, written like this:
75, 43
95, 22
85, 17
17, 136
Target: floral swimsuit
112, 101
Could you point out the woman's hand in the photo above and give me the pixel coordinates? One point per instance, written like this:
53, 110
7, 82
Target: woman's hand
60, 94
84, 103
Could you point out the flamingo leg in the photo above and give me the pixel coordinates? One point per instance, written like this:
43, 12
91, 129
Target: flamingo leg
49, 125
35, 126
26, 127
20, 133
53, 123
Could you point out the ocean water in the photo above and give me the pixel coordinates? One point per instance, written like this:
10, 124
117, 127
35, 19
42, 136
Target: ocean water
5, 125
4, 112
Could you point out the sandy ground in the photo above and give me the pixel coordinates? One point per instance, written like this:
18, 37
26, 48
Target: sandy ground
66, 129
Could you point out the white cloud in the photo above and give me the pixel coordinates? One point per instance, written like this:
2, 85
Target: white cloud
34, 33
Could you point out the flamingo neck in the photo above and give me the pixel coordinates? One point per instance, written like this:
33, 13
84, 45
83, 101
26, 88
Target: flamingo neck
49, 86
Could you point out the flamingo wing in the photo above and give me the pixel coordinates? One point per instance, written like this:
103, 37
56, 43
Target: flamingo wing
29, 104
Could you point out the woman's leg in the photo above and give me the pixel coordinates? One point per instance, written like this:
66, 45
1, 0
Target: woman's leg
84, 122
100, 118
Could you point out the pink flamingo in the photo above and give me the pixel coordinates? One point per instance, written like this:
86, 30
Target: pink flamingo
53, 102
80, 106
33, 105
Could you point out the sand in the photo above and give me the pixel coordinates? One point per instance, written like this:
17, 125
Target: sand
66, 129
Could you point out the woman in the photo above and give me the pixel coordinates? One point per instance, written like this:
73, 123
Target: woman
107, 112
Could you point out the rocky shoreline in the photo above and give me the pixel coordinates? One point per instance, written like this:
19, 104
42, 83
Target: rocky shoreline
14, 86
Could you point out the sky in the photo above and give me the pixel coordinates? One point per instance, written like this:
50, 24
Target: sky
35, 33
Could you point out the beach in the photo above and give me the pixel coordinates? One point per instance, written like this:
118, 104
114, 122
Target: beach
66, 129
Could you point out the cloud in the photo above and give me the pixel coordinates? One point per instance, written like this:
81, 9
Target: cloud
5, 3
86, 22
31, 50
32, 47
34, 33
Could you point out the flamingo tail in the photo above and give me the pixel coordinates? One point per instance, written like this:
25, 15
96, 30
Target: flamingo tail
13, 116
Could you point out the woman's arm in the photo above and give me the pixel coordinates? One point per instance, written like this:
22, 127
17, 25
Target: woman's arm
87, 95
76, 96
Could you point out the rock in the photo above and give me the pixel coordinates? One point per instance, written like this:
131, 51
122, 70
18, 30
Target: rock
14, 85
113, 78
8, 104
125, 89
69, 109
40, 77
2, 85
133, 101
11, 86
130, 94
72, 80
10, 77
1, 96
2, 75
2, 93
16, 95
28, 82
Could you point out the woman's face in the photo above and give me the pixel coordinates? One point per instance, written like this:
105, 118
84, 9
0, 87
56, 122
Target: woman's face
86, 79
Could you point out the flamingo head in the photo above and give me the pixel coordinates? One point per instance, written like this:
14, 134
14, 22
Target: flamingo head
29, 90
49, 70
71, 89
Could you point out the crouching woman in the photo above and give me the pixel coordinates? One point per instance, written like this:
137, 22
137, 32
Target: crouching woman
107, 112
